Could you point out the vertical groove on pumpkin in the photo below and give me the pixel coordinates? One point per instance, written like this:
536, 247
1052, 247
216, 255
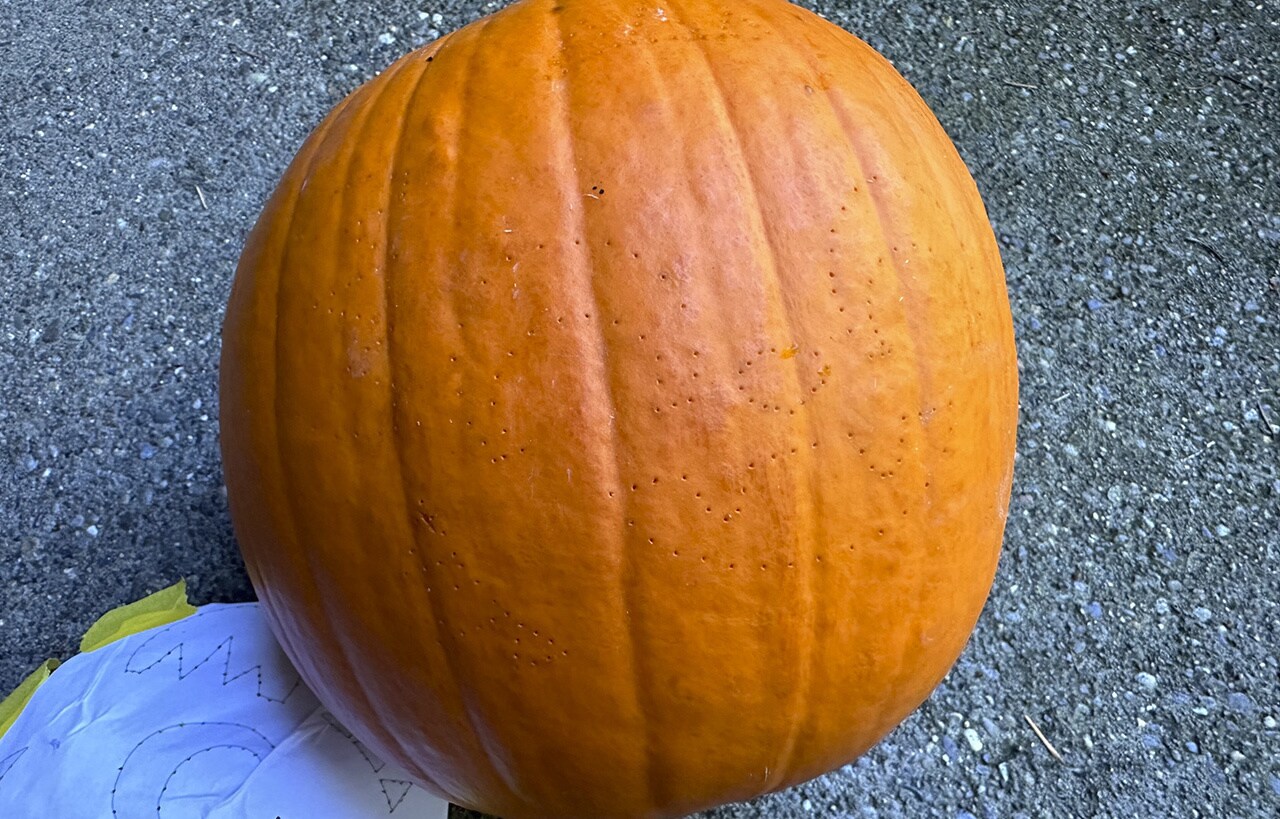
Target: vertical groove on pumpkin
380, 265
859, 152
316, 604
807, 497
849, 129
978, 288
452, 274
626, 570
914, 354
804, 57
303, 162
353, 133
982, 289
449, 646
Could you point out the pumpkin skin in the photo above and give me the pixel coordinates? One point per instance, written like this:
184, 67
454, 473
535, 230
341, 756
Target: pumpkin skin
618, 406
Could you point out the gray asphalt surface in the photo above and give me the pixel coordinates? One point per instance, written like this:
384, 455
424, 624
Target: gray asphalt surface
1128, 159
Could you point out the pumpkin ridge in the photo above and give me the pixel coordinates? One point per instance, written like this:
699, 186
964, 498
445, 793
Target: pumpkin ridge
908, 322
358, 128
290, 516
626, 570
911, 317
848, 129
453, 657
451, 289
288, 204
987, 286
807, 497
382, 264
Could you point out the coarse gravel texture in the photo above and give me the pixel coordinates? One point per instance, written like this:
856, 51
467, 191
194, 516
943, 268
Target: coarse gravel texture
1127, 154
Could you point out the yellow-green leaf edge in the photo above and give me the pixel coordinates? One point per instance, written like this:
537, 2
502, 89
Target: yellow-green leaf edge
161, 608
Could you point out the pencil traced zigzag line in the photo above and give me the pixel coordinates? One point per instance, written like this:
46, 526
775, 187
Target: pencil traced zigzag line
281, 693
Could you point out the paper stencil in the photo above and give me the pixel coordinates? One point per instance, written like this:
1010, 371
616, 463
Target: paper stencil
204, 717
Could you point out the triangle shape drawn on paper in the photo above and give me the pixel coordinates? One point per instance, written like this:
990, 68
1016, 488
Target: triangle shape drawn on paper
395, 790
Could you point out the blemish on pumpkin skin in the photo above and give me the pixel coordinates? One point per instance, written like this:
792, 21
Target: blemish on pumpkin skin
790, 352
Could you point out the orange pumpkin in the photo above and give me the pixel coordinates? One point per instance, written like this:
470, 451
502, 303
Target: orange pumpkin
618, 406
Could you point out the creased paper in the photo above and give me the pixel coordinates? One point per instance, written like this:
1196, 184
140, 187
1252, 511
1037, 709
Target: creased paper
204, 717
